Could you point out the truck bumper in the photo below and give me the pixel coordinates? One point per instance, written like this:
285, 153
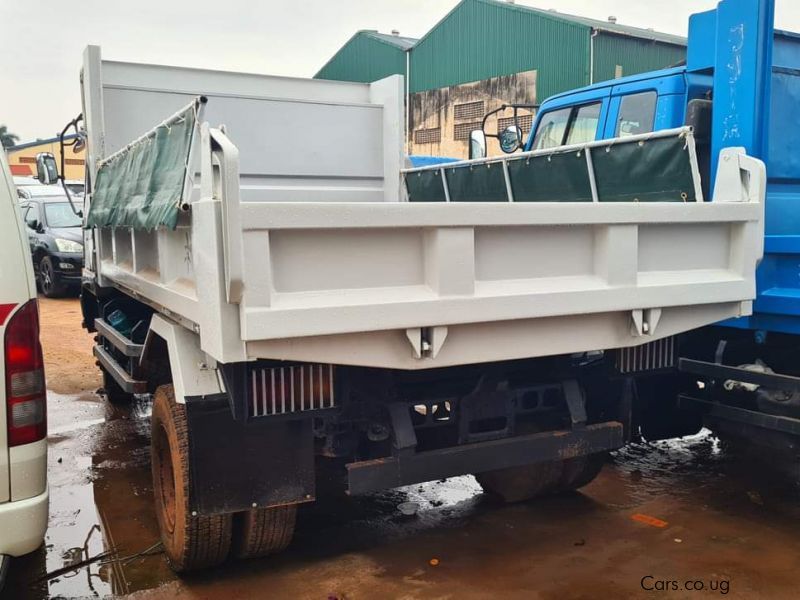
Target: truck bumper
23, 524
395, 471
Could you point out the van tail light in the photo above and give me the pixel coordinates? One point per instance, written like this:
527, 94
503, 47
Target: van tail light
25, 388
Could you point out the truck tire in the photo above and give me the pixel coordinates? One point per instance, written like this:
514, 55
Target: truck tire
518, 484
263, 531
114, 394
581, 471
190, 542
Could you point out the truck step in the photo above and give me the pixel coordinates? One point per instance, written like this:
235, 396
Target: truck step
120, 375
118, 340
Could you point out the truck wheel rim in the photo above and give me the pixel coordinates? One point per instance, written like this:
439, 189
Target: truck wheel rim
166, 478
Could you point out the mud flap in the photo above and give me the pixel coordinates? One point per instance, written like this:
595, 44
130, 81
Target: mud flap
237, 465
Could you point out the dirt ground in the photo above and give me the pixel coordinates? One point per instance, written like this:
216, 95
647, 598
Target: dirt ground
686, 519
67, 347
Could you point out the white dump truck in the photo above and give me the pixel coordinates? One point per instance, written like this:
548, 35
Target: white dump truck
261, 259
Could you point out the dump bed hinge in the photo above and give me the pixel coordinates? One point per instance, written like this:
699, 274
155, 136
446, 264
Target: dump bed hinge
426, 342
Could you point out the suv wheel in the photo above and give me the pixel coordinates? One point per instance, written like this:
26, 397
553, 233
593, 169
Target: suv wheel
48, 280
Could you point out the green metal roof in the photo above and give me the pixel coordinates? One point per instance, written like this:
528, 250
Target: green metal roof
368, 56
607, 26
639, 32
480, 39
404, 43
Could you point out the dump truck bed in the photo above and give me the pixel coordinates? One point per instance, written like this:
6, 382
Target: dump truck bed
298, 237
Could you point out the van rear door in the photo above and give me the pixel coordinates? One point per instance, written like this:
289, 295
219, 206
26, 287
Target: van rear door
16, 288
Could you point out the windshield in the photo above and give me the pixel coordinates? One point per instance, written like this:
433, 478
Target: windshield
59, 214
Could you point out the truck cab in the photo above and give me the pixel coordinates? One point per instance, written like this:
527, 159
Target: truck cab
622, 107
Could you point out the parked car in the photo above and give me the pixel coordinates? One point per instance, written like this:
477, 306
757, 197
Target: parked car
24, 495
56, 241
21, 182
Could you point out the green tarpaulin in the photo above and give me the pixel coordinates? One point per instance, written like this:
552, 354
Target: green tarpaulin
652, 170
143, 186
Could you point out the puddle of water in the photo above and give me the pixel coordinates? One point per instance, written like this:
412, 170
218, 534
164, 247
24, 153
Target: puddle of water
101, 501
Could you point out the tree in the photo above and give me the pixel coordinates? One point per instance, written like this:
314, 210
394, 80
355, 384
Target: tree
7, 139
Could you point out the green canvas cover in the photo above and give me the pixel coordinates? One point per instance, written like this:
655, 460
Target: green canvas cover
479, 183
561, 177
142, 187
425, 186
659, 169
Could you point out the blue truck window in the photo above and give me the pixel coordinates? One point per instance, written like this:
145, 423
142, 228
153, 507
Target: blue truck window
636, 114
551, 130
583, 126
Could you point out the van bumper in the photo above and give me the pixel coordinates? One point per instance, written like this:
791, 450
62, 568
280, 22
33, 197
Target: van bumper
23, 524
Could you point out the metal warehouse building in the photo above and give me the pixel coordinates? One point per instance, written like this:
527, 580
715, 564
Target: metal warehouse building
486, 52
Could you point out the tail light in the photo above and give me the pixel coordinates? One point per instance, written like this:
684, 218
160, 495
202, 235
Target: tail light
25, 388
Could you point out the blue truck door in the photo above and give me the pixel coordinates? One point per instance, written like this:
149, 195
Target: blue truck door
586, 114
647, 105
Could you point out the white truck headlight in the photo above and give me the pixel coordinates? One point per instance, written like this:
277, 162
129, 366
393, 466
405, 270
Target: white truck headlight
68, 246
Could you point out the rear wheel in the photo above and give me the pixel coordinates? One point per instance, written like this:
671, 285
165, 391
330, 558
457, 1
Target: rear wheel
581, 471
190, 542
263, 531
517, 484
48, 280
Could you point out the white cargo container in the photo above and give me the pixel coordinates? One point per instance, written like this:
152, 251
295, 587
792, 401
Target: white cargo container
301, 294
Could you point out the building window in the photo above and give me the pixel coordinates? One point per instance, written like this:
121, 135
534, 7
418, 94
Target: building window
469, 110
461, 131
428, 136
525, 123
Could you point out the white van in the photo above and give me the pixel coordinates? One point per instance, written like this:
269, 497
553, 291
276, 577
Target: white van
23, 420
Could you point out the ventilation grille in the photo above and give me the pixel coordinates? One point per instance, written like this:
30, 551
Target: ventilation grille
525, 123
293, 389
649, 357
428, 136
461, 131
468, 110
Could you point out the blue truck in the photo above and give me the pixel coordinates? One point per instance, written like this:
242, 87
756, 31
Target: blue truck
740, 86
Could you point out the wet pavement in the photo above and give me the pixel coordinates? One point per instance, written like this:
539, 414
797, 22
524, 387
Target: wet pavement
661, 518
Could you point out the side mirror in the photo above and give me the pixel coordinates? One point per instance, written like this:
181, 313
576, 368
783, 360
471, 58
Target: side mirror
35, 225
46, 169
511, 139
477, 144
80, 143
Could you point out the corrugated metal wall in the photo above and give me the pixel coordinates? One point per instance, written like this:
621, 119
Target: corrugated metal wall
632, 54
481, 39
364, 59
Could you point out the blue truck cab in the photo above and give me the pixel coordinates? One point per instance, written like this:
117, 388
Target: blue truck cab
664, 100
637, 104
739, 86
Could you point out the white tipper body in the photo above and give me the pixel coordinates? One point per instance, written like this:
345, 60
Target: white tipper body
299, 243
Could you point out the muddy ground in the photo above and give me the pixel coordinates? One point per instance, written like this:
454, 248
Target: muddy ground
721, 522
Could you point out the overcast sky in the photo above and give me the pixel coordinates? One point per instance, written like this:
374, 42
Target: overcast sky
42, 40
